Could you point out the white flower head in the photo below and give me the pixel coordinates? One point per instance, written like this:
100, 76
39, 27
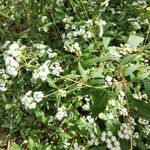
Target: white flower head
61, 113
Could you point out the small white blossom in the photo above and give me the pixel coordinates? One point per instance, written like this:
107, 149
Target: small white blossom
29, 101
38, 96
56, 69
143, 121
111, 141
3, 87
63, 93
61, 113
125, 131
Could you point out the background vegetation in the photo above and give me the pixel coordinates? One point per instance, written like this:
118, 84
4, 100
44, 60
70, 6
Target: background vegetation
74, 74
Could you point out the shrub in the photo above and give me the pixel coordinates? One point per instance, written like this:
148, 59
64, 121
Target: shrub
75, 74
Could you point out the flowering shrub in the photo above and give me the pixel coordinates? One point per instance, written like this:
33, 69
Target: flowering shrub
75, 74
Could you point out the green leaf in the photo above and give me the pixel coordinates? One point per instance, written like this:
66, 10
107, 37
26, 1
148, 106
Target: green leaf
141, 145
140, 108
106, 41
100, 99
130, 69
51, 82
32, 144
97, 73
104, 58
128, 59
147, 87
134, 41
124, 144
14, 146
82, 72
41, 116
98, 148
3, 14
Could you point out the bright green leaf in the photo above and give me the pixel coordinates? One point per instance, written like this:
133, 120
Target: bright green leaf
134, 41
82, 72
14, 146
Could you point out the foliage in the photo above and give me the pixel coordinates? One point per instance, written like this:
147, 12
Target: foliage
75, 74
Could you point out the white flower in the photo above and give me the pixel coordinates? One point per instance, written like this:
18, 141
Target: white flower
11, 71
111, 141
56, 69
124, 111
136, 135
125, 131
43, 19
63, 93
38, 96
86, 106
90, 119
143, 121
14, 46
61, 113
29, 101
42, 72
108, 78
110, 115
40, 46
2, 87
32, 105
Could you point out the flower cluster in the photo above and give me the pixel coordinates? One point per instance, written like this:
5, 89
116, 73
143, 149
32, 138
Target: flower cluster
126, 131
62, 93
45, 69
3, 87
30, 99
111, 141
86, 106
61, 113
11, 57
84, 31
143, 121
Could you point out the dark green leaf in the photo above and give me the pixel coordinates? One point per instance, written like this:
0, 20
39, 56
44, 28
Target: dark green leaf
125, 144
128, 59
98, 148
141, 145
147, 87
100, 98
104, 58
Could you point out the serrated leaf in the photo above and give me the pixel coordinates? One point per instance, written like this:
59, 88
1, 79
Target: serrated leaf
14, 146
141, 145
100, 99
128, 59
51, 82
97, 73
134, 41
82, 72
